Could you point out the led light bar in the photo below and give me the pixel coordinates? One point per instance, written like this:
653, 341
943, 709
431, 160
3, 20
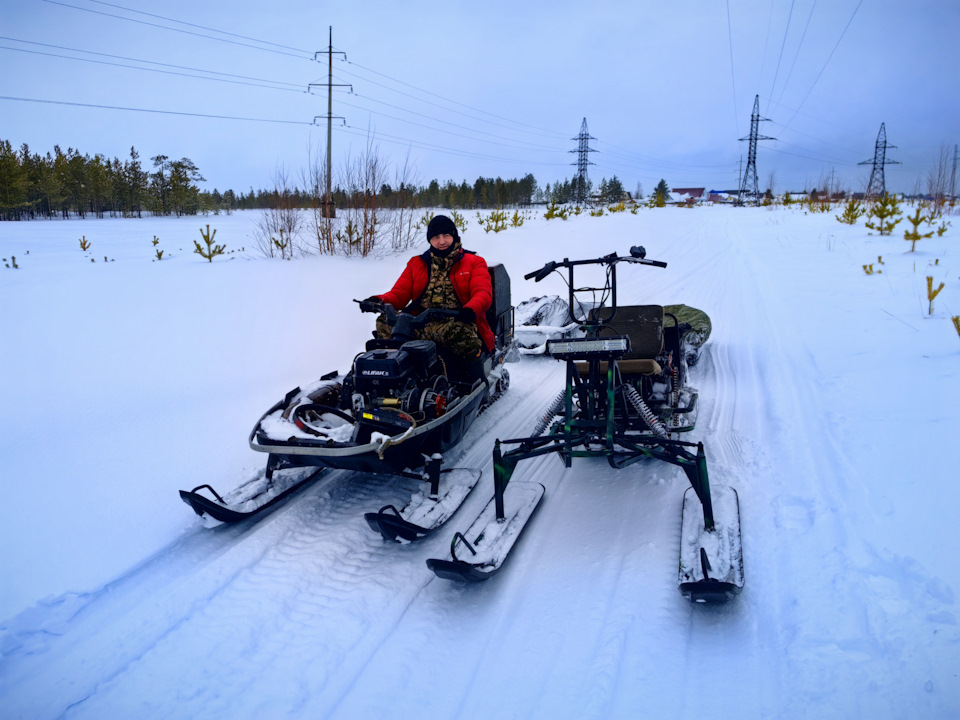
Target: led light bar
587, 347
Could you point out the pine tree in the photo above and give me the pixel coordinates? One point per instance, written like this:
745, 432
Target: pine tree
884, 210
661, 193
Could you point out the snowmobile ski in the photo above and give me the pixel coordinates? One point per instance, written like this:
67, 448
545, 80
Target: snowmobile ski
427, 510
251, 498
711, 561
484, 547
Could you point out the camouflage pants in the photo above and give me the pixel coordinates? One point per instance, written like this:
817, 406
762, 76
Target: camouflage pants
461, 339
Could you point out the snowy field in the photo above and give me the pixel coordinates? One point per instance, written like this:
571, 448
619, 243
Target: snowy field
828, 396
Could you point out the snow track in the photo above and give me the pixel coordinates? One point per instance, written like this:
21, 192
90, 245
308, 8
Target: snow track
848, 609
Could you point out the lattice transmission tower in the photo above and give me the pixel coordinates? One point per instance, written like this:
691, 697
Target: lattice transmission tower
583, 152
877, 187
748, 184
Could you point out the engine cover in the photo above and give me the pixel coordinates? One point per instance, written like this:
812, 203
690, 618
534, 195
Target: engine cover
382, 371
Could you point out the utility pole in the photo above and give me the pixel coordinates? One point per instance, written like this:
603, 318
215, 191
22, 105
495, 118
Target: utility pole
328, 211
583, 150
877, 187
749, 184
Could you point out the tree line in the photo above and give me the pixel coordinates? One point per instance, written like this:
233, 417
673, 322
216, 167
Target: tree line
64, 184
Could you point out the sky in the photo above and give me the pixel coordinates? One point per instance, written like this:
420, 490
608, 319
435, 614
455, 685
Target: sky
458, 90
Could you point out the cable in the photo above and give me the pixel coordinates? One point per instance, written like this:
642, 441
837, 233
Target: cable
780, 58
148, 62
156, 70
201, 27
150, 110
165, 27
846, 27
797, 54
733, 77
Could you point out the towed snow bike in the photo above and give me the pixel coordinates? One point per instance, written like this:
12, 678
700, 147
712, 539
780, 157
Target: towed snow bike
404, 402
625, 399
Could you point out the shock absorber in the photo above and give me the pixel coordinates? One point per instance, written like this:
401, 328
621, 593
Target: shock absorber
645, 412
553, 410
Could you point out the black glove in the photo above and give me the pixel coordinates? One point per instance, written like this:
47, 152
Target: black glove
372, 304
466, 315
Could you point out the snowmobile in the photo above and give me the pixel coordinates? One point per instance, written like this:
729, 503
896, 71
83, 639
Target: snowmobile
626, 398
401, 406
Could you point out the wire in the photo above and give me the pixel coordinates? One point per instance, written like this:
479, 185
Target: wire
797, 54
150, 110
733, 77
780, 58
469, 107
146, 69
148, 62
201, 27
817, 79
186, 32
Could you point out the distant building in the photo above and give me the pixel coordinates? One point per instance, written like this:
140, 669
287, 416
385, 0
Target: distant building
685, 196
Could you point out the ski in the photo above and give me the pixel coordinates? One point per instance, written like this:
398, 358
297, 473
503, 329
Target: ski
250, 499
711, 561
484, 547
427, 510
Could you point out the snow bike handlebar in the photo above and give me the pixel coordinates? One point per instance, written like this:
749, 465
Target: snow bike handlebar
637, 255
609, 291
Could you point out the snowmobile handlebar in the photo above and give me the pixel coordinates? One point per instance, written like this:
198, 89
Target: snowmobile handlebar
637, 255
405, 319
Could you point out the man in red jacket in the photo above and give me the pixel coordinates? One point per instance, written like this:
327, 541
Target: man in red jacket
449, 277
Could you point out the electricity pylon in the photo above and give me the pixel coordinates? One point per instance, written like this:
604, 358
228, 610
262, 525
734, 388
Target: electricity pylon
749, 184
877, 187
583, 150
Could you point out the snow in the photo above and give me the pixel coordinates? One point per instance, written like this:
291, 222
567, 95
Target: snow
828, 400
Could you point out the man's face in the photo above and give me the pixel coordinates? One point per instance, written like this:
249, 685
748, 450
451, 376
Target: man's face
441, 242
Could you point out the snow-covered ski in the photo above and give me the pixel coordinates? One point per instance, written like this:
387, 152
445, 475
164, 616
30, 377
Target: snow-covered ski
428, 509
484, 547
711, 561
252, 498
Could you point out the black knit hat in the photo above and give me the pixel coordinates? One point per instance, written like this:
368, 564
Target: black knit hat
441, 225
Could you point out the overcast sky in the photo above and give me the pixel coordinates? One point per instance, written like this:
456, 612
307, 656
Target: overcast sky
465, 89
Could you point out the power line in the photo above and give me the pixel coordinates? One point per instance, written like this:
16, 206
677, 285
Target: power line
201, 27
151, 110
780, 58
171, 29
148, 62
733, 78
155, 70
797, 54
827, 62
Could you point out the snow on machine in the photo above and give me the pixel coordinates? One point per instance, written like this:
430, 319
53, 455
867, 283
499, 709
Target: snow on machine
404, 403
626, 398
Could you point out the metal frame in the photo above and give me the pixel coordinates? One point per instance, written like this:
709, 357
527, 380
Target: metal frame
597, 418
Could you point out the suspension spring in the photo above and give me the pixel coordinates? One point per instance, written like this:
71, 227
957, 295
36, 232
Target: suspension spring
554, 410
645, 412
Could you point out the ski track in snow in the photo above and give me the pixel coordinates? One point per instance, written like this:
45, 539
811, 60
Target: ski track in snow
307, 613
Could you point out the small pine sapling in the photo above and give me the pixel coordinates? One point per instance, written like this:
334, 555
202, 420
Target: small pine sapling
596, 213
884, 210
159, 254
84, 244
516, 220
956, 323
459, 220
156, 241
851, 212
868, 269
212, 250
931, 293
912, 236
282, 244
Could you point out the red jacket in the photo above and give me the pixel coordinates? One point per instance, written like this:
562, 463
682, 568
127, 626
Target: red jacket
471, 282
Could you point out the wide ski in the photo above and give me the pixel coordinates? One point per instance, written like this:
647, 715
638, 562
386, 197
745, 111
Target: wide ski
250, 499
426, 510
480, 552
711, 561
